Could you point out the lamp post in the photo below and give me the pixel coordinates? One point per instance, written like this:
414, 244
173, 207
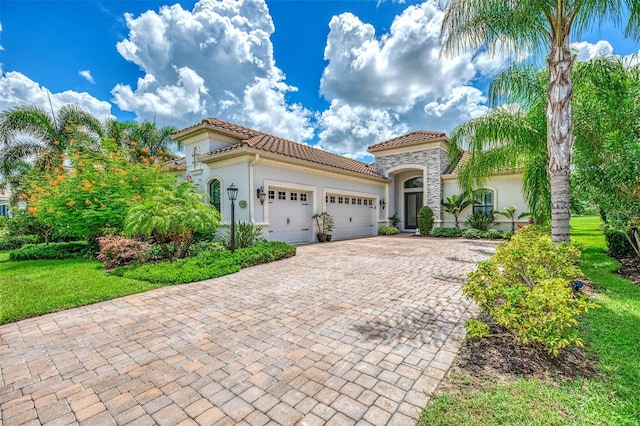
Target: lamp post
232, 191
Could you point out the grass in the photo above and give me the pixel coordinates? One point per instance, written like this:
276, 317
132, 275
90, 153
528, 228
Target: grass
36, 287
612, 336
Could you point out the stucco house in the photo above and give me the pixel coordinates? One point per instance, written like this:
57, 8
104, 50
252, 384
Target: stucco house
5, 196
297, 181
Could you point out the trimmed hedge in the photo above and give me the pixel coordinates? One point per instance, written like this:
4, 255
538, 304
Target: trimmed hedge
425, 220
618, 244
12, 243
388, 230
447, 232
207, 265
51, 251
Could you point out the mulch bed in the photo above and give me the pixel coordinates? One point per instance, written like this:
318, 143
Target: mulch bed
630, 268
499, 357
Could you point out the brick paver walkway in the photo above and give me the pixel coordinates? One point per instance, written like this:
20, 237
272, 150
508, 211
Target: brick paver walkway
347, 332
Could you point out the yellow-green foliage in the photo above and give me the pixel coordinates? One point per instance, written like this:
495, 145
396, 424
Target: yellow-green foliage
526, 287
476, 329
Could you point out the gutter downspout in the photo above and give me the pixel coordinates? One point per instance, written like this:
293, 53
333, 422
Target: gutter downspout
251, 189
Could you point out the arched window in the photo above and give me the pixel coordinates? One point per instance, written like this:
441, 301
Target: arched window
214, 193
195, 162
483, 201
414, 183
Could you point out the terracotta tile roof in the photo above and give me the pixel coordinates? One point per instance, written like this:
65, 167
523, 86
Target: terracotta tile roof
464, 157
408, 139
277, 145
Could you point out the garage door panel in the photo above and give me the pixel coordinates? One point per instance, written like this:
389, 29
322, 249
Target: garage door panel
354, 216
290, 214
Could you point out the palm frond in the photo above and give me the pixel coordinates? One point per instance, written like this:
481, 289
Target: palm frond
73, 115
28, 120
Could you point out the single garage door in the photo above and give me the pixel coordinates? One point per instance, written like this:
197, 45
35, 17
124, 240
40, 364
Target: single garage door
290, 214
354, 216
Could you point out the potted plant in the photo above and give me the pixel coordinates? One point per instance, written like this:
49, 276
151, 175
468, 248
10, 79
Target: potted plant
328, 224
324, 222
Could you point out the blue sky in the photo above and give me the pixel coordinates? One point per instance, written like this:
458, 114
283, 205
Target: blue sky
339, 74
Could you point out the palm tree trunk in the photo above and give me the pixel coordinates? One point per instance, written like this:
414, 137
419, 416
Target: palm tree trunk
559, 137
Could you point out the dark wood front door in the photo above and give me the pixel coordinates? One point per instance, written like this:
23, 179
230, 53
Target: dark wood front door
412, 204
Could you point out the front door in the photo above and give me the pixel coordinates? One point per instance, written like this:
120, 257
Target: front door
412, 204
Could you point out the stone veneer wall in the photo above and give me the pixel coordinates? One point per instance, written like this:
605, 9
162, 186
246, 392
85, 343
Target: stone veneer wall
436, 161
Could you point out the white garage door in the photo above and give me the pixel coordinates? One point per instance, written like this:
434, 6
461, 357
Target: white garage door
290, 214
354, 216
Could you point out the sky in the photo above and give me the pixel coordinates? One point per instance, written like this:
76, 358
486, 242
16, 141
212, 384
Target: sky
340, 75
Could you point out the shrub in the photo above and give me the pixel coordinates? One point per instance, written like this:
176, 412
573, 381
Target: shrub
618, 244
12, 243
388, 230
207, 265
204, 246
425, 220
480, 220
526, 287
492, 234
247, 235
476, 329
120, 251
51, 251
447, 232
472, 233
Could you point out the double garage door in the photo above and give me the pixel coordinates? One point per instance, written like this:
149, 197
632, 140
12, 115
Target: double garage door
354, 216
290, 214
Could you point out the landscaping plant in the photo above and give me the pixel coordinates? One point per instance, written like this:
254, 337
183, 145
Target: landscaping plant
527, 288
425, 220
480, 220
246, 235
455, 205
388, 230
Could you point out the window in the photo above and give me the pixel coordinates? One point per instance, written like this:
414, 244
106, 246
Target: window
303, 197
332, 200
282, 195
340, 200
353, 201
359, 201
346, 200
326, 198
195, 163
214, 193
414, 183
4, 210
272, 195
294, 196
483, 201
370, 203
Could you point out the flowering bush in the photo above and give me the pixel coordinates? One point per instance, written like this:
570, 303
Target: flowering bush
120, 251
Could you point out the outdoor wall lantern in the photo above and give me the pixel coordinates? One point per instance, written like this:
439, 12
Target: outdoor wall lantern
261, 195
232, 191
382, 204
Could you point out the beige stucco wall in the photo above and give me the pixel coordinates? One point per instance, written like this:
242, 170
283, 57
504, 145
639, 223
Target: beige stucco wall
507, 191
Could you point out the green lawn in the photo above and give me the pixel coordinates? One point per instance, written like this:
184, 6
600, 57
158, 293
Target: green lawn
612, 335
37, 287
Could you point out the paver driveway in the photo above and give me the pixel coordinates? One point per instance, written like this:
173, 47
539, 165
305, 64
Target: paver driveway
358, 331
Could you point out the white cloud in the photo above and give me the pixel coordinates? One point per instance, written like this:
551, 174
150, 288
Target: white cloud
585, 50
87, 75
17, 89
214, 60
380, 87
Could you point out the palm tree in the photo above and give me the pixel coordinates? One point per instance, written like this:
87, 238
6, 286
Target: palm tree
544, 27
456, 204
172, 216
29, 132
511, 137
153, 142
